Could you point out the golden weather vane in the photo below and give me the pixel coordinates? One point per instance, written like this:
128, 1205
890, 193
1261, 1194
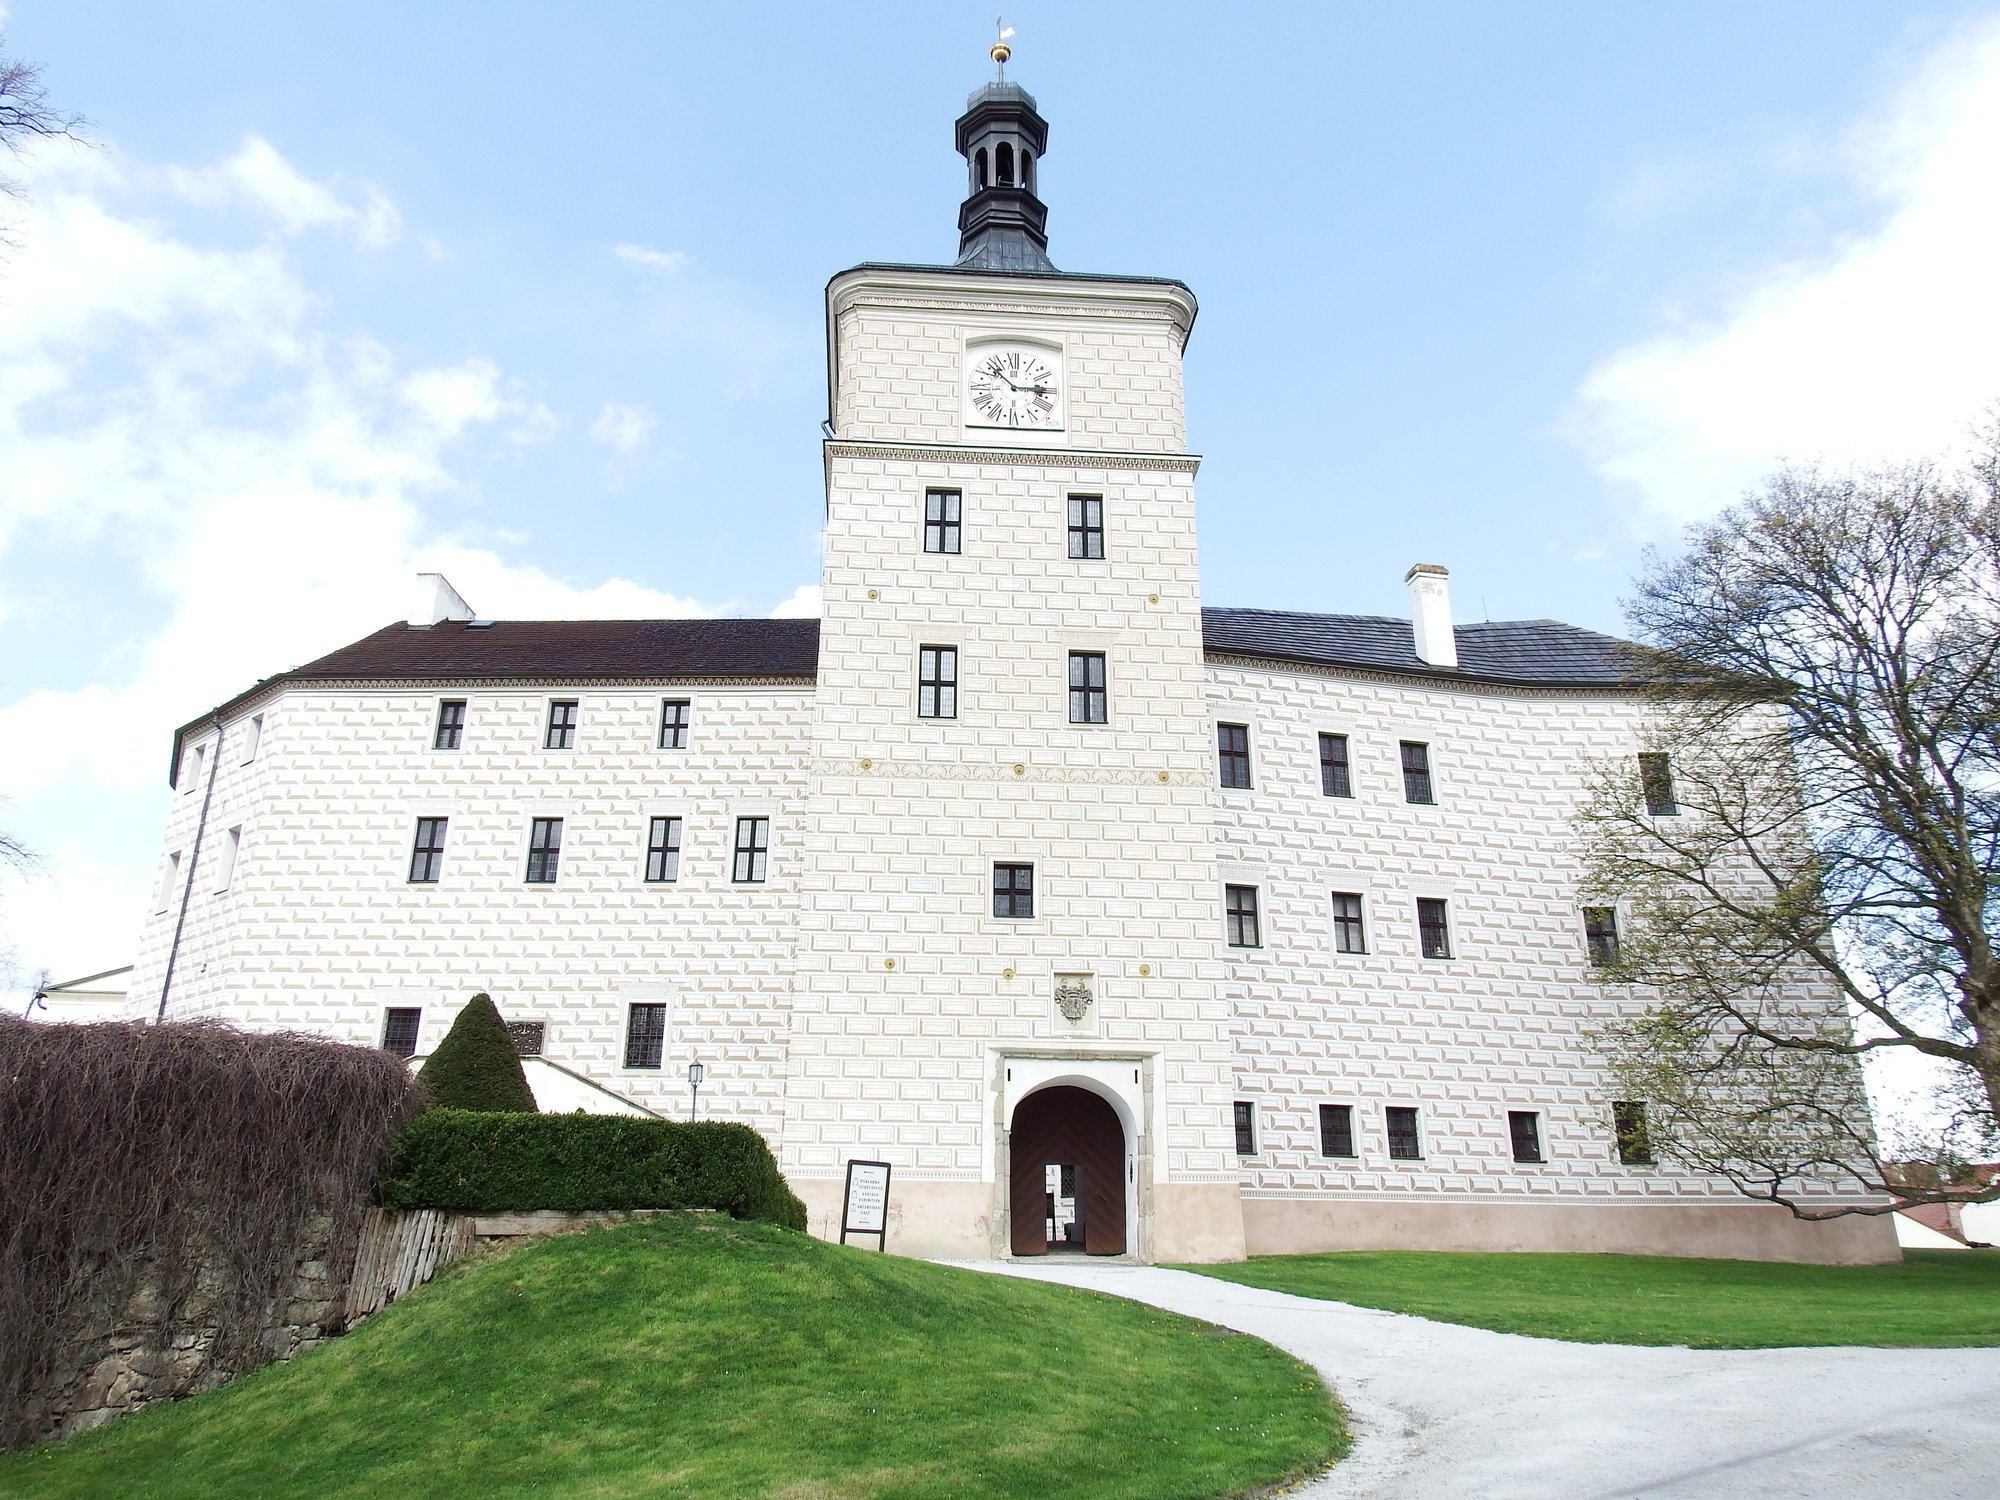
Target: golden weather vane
1000, 51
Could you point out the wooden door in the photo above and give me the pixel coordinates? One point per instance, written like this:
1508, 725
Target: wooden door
1073, 1127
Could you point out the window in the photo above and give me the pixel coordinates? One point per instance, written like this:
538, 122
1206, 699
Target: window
1433, 927
663, 850
528, 1037
1656, 780
400, 1024
450, 731
941, 508
1635, 1141
200, 759
562, 725
1086, 687
1239, 904
225, 864
1524, 1132
1086, 526
645, 1034
1013, 890
1417, 772
544, 850
1232, 750
1336, 779
1336, 1130
253, 736
164, 896
937, 682
753, 845
1600, 934
675, 716
1348, 934
1405, 1143
1246, 1128
427, 852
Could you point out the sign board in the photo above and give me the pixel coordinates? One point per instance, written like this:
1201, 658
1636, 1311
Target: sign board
866, 1208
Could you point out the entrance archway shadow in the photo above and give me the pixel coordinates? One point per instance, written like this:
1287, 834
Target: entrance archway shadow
1068, 1127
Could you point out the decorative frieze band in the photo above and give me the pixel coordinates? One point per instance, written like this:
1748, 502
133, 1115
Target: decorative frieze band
1021, 771
1171, 463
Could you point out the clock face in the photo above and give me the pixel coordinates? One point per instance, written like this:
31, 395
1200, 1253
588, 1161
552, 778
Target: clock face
1009, 385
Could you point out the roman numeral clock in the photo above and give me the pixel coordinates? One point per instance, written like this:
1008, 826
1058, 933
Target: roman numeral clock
1013, 385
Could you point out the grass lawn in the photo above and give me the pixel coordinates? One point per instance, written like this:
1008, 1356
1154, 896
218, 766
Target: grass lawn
697, 1356
1935, 1298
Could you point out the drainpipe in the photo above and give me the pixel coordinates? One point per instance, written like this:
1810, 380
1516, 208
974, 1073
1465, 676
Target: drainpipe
194, 863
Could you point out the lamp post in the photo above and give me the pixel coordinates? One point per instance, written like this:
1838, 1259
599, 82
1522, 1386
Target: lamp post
695, 1071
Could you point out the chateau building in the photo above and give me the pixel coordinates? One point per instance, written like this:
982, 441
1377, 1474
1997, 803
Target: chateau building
1110, 921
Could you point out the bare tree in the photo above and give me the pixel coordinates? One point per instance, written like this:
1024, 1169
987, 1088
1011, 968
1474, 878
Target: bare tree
1823, 662
27, 116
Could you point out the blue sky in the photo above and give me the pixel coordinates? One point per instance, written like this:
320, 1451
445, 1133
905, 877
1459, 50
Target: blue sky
532, 294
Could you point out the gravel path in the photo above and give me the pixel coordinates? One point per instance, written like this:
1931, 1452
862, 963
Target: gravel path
1457, 1413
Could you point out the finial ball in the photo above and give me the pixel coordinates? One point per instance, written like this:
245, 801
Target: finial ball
1000, 52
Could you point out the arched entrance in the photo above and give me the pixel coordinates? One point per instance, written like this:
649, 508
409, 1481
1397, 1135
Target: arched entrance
1066, 1157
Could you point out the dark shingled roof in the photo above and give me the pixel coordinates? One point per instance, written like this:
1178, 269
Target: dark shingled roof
1538, 652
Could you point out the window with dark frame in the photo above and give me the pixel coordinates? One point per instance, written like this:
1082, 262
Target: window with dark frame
450, 732
1433, 927
1656, 781
1087, 700
663, 851
1524, 1134
1013, 890
528, 1037
1635, 1141
645, 1034
1406, 1143
941, 516
544, 850
561, 733
1239, 905
1336, 776
1246, 1128
1336, 1130
676, 716
427, 851
753, 847
937, 682
1600, 934
1086, 526
400, 1025
1348, 934
1232, 753
1417, 772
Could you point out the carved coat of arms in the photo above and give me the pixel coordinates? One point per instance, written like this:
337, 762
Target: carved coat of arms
1072, 996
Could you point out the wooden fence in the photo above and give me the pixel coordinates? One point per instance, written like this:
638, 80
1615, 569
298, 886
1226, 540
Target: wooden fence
399, 1251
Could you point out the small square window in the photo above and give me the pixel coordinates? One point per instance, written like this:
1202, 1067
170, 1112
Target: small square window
1600, 934
561, 734
1336, 775
676, 714
645, 1034
400, 1024
1635, 1141
663, 851
544, 850
1336, 1130
753, 847
1087, 694
1348, 934
528, 1037
1246, 1128
450, 731
1232, 750
427, 852
937, 682
1013, 890
1656, 781
1433, 927
1239, 905
1524, 1133
1417, 772
1405, 1141
1086, 526
941, 517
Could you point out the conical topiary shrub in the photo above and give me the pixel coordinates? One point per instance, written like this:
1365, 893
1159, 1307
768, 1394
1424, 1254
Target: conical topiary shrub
476, 1065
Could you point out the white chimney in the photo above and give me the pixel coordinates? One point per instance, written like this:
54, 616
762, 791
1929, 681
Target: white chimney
438, 600
1430, 614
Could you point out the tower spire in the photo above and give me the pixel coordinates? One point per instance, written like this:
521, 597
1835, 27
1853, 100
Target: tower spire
1002, 225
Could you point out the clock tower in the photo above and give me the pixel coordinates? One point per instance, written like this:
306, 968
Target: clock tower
1011, 922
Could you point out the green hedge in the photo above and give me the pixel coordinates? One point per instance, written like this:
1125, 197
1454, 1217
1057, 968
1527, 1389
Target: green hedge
477, 1162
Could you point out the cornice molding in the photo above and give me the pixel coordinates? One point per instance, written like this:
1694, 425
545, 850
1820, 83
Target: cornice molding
1052, 458
1053, 296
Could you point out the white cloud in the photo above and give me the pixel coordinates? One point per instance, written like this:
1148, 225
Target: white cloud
1879, 348
804, 604
260, 177
664, 262
623, 429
